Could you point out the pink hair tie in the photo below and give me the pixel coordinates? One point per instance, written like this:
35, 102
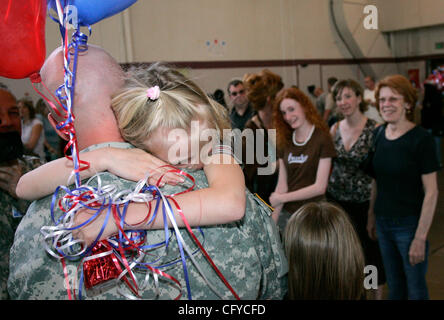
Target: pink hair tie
153, 93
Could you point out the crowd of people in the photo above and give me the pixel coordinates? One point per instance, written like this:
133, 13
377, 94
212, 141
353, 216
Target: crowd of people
306, 230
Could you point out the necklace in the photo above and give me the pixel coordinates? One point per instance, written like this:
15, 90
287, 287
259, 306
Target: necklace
306, 140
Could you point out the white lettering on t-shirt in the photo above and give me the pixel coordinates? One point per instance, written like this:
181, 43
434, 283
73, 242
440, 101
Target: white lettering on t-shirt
297, 159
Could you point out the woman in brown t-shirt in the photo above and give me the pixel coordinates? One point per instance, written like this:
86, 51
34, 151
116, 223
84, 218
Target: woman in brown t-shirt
305, 149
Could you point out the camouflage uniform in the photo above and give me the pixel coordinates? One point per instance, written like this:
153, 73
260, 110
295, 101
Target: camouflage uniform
11, 211
248, 253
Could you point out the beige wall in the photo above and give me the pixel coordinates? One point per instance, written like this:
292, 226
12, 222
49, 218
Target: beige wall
370, 41
252, 30
247, 30
406, 14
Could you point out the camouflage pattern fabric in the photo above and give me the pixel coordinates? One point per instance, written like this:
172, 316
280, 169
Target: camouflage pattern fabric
11, 211
248, 253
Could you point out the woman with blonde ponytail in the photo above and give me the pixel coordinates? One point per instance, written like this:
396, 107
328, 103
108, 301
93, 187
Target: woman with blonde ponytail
160, 111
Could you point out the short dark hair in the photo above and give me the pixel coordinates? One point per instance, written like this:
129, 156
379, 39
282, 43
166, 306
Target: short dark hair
311, 89
355, 87
234, 83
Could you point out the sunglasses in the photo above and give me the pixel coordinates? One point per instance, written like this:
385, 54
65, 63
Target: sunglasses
235, 93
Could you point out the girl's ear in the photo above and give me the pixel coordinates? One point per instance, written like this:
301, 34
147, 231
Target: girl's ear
53, 123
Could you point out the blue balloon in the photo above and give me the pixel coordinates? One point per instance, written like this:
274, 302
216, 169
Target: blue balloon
88, 12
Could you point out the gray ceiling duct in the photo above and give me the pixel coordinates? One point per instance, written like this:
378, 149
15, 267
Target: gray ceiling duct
337, 17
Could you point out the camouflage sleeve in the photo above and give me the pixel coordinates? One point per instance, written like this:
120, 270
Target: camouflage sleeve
11, 211
27, 163
249, 252
31, 163
7, 228
274, 262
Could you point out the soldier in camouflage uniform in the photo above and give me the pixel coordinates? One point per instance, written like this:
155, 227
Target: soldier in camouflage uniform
12, 166
248, 252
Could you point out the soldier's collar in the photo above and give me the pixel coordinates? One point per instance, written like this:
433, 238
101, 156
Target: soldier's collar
120, 145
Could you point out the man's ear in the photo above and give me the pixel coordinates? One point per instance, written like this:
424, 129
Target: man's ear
54, 123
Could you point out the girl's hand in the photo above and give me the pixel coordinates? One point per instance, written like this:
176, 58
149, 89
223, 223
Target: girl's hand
89, 232
134, 164
276, 199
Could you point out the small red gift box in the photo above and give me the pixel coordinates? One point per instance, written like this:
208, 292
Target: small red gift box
99, 270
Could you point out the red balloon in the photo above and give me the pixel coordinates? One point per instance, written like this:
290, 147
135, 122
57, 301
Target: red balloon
22, 37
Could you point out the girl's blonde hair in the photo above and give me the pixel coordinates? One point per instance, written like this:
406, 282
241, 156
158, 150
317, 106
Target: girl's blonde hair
180, 101
325, 256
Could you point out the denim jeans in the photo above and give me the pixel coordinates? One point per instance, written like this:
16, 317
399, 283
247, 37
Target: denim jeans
404, 280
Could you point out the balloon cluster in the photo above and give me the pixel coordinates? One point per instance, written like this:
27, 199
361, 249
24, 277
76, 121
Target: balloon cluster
85, 13
22, 29
22, 33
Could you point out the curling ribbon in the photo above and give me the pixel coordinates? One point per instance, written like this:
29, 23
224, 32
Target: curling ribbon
107, 198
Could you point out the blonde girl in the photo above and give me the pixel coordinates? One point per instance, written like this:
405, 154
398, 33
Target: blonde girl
156, 111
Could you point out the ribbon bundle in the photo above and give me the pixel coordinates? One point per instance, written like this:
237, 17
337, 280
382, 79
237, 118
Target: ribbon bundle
123, 256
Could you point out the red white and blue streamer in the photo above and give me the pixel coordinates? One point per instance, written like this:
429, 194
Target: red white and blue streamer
123, 258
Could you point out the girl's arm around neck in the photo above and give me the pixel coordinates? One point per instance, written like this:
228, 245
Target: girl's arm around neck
224, 201
130, 164
43, 180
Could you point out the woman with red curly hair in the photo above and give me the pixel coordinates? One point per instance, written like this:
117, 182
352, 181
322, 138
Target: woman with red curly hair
262, 88
305, 149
